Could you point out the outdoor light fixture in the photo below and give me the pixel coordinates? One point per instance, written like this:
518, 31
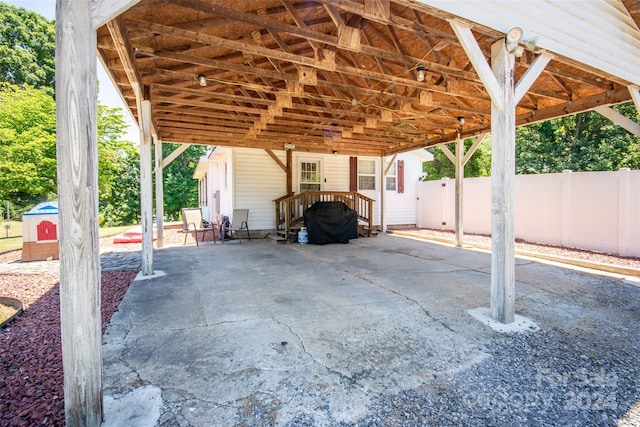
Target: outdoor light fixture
460, 120
354, 102
514, 37
421, 75
202, 79
335, 153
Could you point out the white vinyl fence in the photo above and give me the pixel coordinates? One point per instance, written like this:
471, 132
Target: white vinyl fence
598, 211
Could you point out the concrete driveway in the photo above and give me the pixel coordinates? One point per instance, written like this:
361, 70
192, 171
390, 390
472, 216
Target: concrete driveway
264, 334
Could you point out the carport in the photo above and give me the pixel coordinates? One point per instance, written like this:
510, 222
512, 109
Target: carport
376, 77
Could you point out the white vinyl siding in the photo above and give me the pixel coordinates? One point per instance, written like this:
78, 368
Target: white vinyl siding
599, 34
336, 173
258, 181
226, 192
400, 208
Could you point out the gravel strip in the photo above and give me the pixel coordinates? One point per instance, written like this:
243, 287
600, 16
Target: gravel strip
31, 379
540, 379
479, 239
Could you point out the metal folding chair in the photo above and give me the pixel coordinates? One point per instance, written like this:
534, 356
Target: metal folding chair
192, 219
239, 223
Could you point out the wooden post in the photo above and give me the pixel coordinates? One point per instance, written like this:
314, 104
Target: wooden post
289, 172
146, 202
383, 226
503, 137
459, 189
159, 194
77, 156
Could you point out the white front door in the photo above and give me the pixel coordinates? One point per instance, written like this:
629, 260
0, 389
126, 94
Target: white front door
310, 175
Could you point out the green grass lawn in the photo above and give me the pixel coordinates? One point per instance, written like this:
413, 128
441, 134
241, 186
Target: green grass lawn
14, 241
14, 230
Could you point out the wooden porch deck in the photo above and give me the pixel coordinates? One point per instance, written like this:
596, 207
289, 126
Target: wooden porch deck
290, 211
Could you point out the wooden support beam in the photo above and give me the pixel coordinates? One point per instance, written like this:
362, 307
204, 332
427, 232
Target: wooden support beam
159, 194
77, 159
619, 119
474, 147
379, 8
388, 166
635, 95
146, 204
289, 172
447, 152
530, 76
103, 11
471, 47
277, 160
503, 136
174, 154
118, 32
459, 175
383, 224
349, 38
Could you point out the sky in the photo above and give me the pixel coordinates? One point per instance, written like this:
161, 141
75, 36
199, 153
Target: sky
108, 95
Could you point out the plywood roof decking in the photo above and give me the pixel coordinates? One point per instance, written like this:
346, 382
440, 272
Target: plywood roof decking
323, 75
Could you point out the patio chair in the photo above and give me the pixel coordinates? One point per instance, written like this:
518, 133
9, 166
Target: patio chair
192, 220
239, 222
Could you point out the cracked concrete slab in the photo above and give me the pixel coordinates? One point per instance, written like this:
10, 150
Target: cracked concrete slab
264, 334
140, 407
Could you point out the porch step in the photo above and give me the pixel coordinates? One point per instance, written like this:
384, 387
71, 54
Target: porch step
363, 231
278, 239
283, 237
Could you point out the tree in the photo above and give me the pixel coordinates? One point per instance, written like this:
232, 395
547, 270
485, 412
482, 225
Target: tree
27, 48
582, 142
27, 145
180, 189
28, 154
121, 204
478, 165
118, 170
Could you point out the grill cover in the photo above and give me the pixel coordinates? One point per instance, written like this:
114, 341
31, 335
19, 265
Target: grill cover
331, 222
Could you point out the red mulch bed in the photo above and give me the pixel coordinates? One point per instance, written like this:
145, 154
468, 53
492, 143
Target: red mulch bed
31, 378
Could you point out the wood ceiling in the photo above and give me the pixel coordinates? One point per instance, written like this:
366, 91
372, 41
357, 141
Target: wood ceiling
322, 75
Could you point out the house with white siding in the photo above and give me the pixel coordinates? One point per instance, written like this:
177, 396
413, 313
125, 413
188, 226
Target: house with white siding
245, 178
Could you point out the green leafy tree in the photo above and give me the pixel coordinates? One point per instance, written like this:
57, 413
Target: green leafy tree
27, 145
582, 142
118, 170
478, 165
27, 48
121, 204
180, 189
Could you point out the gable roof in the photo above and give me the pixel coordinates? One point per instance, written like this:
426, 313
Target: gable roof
342, 75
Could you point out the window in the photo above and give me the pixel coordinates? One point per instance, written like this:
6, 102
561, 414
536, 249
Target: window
366, 174
310, 179
392, 177
202, 191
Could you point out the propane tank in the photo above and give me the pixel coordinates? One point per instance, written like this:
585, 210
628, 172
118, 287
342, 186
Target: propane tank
303, 236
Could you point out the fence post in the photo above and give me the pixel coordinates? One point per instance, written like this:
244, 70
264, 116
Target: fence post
566, 208
623, 211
